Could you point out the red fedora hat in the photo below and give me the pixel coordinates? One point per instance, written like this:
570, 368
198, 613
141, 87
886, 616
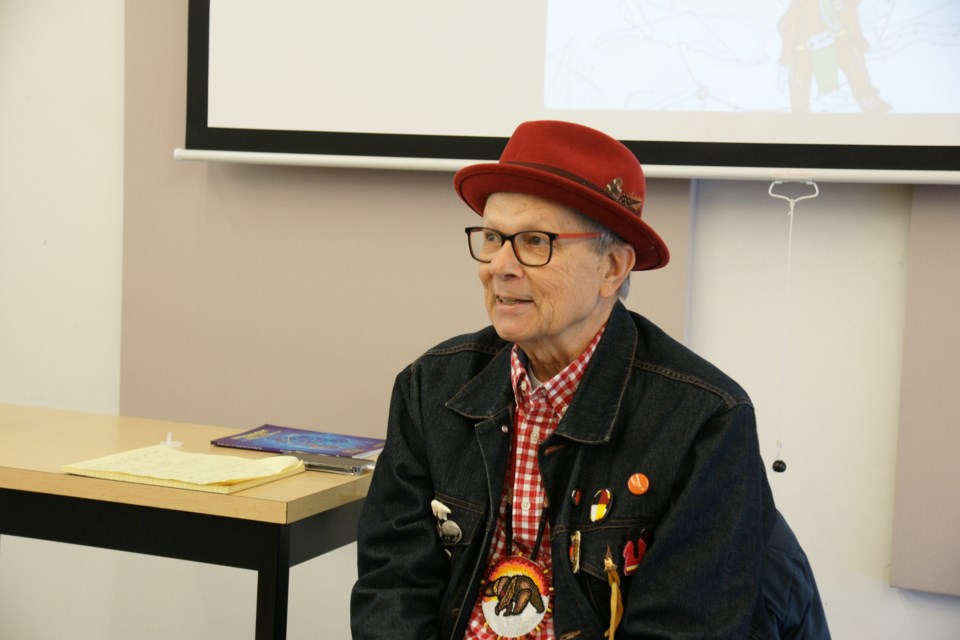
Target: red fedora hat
575, 166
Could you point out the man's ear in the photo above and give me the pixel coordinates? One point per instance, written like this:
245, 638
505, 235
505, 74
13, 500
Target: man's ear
619, 264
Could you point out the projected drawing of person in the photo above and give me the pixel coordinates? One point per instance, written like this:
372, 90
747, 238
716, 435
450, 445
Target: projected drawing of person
820, 38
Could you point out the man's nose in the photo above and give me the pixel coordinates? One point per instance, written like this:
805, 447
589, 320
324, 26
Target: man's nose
505, 259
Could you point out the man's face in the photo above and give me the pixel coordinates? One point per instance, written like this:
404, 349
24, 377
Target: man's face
552, 311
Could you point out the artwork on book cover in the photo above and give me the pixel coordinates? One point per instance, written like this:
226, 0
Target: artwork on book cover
285, 439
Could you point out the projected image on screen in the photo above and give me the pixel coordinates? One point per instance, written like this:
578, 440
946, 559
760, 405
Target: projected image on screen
698, 88
769, 56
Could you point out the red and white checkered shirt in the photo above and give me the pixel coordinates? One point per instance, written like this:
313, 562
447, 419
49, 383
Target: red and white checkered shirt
538, 411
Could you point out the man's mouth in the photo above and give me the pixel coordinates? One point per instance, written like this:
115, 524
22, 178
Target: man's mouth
510, 301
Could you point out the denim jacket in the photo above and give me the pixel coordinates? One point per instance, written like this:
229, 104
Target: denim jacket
646, 405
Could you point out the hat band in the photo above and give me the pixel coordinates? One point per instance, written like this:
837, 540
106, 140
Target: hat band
614, 189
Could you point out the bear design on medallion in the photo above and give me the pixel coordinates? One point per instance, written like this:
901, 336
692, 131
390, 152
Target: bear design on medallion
514, 592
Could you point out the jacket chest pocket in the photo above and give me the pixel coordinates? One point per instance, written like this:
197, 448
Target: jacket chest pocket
460, 527
458, 521
625, 543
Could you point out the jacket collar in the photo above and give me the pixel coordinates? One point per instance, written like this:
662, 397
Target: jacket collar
593, 412
489, 392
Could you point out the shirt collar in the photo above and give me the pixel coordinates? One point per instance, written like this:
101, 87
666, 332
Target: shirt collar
558, 390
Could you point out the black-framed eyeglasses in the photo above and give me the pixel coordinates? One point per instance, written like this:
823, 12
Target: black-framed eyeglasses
532, 248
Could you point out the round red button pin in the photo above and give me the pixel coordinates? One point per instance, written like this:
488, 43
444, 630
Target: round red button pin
638, 484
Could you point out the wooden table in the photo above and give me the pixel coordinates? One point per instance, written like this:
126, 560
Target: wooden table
268, 528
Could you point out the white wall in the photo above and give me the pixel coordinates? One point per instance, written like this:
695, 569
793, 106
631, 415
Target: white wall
819, 351
61, 97
61, 226
61, 170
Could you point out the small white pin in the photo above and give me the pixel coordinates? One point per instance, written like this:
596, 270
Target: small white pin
450, 532
440, 510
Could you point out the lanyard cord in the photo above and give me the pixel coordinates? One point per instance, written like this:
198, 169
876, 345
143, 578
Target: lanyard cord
508, 525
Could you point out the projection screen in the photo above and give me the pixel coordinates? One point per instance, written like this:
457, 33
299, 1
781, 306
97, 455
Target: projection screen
861, 90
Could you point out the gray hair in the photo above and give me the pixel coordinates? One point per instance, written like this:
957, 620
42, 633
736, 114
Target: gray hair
606, 240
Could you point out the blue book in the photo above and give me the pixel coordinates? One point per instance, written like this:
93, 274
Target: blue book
286, 439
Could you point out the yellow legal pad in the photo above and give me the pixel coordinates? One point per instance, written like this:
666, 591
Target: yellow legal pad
167, 467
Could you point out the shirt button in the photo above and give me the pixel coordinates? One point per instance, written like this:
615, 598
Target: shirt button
523, 385
525, 505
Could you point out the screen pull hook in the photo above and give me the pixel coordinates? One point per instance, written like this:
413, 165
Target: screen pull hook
793, 200
779, 465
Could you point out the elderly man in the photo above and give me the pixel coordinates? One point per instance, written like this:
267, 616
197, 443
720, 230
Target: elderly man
571, 471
